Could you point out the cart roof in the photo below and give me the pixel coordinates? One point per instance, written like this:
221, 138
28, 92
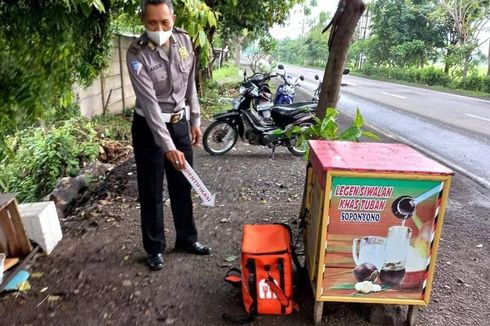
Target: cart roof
372, 157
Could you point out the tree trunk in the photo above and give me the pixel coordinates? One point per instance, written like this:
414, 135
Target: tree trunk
238, 50
343, 26
209, 71
198, 72
466, 66
488, 71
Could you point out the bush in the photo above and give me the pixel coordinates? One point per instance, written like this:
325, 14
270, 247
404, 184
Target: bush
400, 74
369, 70
42, 155
486, 85
430, 76
472, 83
414, 75
38, 157
434, 77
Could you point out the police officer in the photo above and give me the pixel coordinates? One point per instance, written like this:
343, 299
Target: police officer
161, 65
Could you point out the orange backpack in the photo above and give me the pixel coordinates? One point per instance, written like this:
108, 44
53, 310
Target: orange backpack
266, 270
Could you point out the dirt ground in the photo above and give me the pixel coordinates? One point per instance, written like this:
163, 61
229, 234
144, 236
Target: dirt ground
96, 275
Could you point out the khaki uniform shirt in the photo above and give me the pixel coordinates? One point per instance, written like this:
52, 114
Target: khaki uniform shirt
164, 84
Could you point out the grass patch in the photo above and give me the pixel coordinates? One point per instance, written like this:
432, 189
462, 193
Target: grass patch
226, 74
219, 93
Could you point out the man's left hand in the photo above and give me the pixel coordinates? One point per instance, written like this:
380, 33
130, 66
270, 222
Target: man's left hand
196, 135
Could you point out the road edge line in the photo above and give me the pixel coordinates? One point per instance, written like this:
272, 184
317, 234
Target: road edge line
480, 181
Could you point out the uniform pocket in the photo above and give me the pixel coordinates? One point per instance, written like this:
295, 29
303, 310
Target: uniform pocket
159, 75
185, 66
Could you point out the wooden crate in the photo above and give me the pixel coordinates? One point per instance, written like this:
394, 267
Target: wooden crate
13, 238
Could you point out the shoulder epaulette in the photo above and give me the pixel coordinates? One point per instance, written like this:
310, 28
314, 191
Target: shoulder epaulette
137, 45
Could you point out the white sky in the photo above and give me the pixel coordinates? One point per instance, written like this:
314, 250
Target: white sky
293, 27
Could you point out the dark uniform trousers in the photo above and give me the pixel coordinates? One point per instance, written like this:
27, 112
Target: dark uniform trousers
151, 165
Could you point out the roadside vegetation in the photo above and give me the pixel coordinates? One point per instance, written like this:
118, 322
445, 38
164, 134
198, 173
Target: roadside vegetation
220, 92
33, 159
427, 42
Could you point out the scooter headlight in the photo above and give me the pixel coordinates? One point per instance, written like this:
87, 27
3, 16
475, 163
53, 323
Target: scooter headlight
243, 90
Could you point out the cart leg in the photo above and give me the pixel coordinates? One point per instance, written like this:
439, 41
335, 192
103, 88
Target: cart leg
413, 312
318, 312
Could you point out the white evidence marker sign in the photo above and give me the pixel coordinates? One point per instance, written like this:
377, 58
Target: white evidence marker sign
207, 198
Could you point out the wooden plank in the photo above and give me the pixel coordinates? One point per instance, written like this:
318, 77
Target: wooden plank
24, 242
9, 262
6, 199
18, 244
413, 312
9, 232
318, 312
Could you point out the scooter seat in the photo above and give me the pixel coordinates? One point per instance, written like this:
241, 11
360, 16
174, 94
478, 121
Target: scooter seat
295, 108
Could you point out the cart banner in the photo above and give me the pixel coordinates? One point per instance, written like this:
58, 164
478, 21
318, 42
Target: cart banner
380, 236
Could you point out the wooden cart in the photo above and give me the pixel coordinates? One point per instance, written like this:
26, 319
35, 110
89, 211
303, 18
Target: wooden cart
373, 216
13, 239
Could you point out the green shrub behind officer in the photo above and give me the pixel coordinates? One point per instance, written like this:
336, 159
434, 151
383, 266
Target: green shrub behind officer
161, 65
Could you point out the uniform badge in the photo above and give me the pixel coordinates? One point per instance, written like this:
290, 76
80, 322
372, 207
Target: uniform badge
136, 67
183, 53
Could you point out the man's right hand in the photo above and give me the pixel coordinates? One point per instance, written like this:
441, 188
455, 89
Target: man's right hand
177, 159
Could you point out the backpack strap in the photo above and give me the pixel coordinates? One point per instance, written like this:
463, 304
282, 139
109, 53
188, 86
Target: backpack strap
252, 287
293, 250
281, 296
234, 277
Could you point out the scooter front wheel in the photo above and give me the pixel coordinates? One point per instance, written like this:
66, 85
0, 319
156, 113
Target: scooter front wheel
219, 138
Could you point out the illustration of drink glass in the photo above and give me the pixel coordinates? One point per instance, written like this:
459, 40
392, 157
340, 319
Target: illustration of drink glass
371, 250
397, 244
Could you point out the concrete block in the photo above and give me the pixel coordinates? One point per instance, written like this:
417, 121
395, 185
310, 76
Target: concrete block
42, 224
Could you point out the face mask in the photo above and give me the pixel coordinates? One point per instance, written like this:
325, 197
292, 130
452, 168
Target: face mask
159, 37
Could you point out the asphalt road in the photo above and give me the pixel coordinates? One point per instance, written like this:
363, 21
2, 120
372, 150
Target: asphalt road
453, 129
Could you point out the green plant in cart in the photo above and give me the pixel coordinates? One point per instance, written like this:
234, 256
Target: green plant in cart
328, 129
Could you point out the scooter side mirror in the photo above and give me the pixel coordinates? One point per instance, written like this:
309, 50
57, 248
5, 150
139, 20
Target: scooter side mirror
317, 77
346, 71
302, 78
281, 67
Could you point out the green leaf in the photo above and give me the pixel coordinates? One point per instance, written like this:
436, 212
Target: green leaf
85, 9
370, 135
358, 120
98, 5
353, 134
278, 132
202, 38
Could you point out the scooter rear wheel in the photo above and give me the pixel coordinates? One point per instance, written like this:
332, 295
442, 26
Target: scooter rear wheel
297, 149
219, 138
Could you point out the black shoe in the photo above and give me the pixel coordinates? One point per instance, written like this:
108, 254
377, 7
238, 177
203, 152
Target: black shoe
155, 262
193, 248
